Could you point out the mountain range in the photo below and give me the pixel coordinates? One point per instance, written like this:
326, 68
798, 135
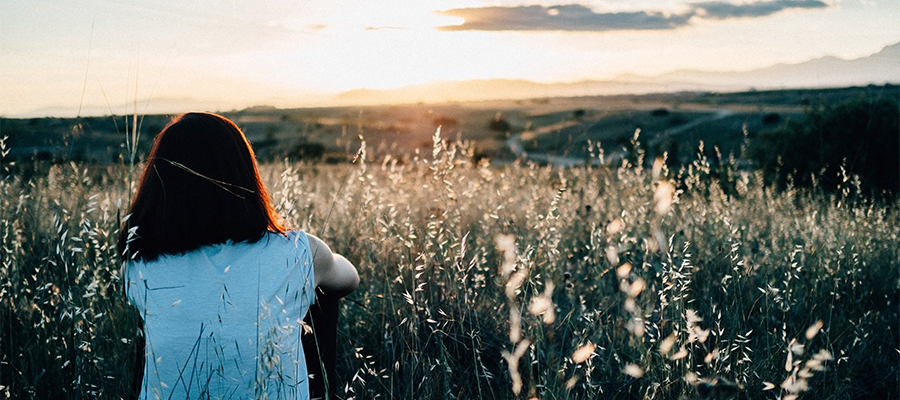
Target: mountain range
879, 68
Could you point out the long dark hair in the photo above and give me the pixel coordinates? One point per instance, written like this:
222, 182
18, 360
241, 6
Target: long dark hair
200, 186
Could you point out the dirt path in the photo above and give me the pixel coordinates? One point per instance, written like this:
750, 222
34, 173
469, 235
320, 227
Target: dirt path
515, 144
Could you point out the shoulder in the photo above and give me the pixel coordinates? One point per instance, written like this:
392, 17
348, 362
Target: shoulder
299, 240
298, 243
321, 253
295, 238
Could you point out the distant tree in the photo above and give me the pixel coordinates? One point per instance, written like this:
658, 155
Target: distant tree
659, 112
860, 135
771, 119
578, 114
499, 125
308, 151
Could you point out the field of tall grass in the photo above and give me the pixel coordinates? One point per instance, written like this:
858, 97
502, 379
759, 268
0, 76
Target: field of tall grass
502, 282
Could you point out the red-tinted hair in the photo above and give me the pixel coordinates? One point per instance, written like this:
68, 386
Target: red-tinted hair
200, 186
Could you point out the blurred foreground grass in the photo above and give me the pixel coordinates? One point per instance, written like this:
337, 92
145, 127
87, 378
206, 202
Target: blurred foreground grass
521, 281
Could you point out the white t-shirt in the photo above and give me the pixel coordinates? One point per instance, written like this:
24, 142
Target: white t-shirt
224, 321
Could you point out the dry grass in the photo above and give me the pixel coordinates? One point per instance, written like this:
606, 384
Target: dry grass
482, 282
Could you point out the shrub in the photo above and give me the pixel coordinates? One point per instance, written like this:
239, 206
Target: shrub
833, 144
771, 119
499, 125
308, 151
659, 112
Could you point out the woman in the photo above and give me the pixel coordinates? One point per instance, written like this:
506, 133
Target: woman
221, 285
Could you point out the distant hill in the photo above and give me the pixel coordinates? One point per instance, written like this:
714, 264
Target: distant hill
879, 68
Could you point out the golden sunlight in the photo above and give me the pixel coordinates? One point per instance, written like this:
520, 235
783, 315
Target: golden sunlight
382, 48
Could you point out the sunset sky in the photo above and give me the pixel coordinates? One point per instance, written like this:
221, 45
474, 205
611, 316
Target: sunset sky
99, 56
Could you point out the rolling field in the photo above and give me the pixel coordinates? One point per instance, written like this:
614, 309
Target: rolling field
502, 282
559, 127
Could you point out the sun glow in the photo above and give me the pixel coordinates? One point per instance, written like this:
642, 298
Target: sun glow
389, 58
97, 53
377, 48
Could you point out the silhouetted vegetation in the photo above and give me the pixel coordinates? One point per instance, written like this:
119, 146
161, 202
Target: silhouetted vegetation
659, 112
499, 125
771, 119
308, 151
832, 145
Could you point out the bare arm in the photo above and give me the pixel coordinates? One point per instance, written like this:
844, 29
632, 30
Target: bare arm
333, 273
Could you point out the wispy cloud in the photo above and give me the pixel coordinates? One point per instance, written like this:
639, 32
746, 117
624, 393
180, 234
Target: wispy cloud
723, 10
572, 17
576, 17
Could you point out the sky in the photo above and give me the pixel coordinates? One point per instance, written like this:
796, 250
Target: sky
97, 57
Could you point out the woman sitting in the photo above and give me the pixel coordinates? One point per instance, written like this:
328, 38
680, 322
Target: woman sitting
222, 286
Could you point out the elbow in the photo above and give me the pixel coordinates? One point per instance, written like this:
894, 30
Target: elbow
343, 290
344, 279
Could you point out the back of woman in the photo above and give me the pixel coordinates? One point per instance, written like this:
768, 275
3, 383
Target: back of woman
221, 285
222, 321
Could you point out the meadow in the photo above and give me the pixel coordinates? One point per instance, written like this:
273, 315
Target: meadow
517, 281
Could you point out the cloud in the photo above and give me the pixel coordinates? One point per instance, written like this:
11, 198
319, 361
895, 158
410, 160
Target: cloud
723, 10
572, 17
576, 17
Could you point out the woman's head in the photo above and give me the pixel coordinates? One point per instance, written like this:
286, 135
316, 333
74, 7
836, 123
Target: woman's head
200, 186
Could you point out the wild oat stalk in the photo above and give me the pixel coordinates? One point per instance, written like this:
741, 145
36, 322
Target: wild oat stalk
627, 284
